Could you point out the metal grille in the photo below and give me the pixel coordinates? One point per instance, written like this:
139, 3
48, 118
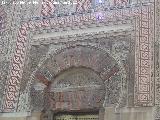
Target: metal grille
76, 117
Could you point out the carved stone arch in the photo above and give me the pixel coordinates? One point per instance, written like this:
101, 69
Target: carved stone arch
103, 72
61, 49
95, 67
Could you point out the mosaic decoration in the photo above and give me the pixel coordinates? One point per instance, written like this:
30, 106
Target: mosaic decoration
2, 19
79, 85
113, 88
84, 58
144, 38
3, 52
61, 7
37, 104
3, 22
157, 63
13, 83
73, 56
48, 8
67, 85
83, 5
120, 2
144, 92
